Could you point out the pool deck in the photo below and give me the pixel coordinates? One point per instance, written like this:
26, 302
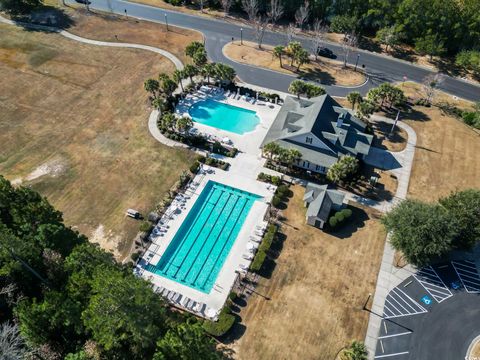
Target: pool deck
229, 272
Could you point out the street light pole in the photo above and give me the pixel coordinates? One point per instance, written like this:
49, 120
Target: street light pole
356, 62
166, 20
241, 36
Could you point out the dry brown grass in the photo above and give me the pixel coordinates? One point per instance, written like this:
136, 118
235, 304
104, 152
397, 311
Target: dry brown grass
105, 26
446, 157
415, 91
81, 112
395, 140
325, 71
475, 353
317, 290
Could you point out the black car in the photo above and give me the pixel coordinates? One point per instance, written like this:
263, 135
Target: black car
326, 52
83, 2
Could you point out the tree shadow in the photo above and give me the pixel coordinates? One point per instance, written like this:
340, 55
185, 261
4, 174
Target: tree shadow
415, 114
235, 333
383, 132
317, 75
367, 43
354, 223
267, 268
44, 16
277, 246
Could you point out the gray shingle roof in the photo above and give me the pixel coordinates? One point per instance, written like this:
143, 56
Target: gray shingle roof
323, 200
319, 116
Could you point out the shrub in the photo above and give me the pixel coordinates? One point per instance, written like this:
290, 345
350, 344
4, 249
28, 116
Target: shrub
220, 327
135, 256
209, 161
283, 191
276, 180
339, 216
232, 153
268, 238
224, 166
333, 221
346, 213
276, 201
201, 158
258, 261
194, 167
145, 226
232, 296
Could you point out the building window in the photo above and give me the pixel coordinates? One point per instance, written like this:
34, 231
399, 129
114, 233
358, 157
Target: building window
309, 140
319, 168
306, 164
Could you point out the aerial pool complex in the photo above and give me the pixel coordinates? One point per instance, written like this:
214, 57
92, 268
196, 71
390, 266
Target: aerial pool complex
224, 116
201, 245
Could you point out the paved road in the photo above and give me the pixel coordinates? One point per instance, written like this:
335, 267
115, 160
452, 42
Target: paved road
217, 33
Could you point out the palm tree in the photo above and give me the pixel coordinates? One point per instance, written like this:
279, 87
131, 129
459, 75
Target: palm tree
184, 124
278, 52
354, 98
224, 73
356, 351
271, 149
178, 76
302, 57
297, 87
293, 156
209, 70
190, 71
152, 86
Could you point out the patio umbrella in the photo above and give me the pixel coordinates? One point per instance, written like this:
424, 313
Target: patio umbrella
211, 313
226, 140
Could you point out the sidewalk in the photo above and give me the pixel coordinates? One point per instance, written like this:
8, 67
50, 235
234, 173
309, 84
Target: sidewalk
389, 276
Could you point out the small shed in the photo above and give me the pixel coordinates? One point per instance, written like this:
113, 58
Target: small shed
319, 201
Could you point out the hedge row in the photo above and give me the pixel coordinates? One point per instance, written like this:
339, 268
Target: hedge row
264, 247
213, 162
275, 180
224, 323
339, 217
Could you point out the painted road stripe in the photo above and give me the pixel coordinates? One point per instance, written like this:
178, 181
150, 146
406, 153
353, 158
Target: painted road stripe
393, 335
433, 283
390, 355
465, 278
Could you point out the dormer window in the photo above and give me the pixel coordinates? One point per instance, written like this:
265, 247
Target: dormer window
309, 140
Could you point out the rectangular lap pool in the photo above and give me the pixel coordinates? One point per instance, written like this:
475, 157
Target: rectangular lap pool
198, 250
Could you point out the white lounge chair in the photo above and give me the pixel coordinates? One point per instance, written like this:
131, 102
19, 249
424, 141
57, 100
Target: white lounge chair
185, 301
248, 256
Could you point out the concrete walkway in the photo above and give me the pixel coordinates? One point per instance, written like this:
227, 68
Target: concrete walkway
176, 61
389, 276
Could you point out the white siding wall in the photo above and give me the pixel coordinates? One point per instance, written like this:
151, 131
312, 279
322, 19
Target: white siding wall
312, 167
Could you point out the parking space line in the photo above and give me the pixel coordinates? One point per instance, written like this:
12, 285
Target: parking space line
398, 304
403, 307
393, 335
390, 355
470, 278
433, 284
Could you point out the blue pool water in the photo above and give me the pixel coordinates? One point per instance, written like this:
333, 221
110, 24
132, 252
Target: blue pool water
224, 116
198, 250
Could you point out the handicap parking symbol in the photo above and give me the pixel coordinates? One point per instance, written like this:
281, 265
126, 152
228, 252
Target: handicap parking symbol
426, 300
455, 285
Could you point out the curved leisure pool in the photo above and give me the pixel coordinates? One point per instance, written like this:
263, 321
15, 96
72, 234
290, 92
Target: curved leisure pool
224, 116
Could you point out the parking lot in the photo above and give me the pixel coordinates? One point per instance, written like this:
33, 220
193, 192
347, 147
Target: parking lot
433, 314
